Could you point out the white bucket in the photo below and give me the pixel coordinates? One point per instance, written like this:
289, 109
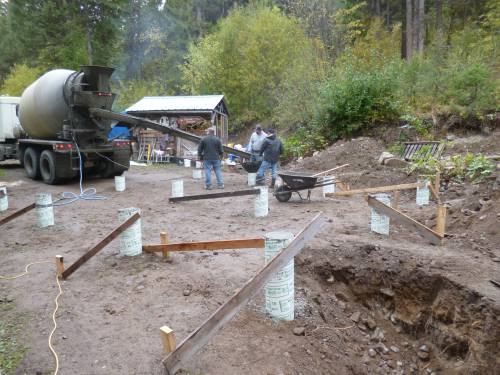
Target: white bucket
177, 188
187, 163
4, 201
328, 188
197, 174
251, 179
199, 164
120, 183
423, 193
380, 223
261, 202
44, 209
131, 238
280, 290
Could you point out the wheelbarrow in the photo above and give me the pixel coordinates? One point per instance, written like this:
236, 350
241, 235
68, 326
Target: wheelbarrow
295, 182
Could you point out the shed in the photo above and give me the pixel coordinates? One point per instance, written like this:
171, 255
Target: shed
190, 113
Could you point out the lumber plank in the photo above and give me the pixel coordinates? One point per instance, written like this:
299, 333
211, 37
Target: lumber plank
224, 194
330, 170
441, 219
204, 333
168, 339
100, 245
13, 215
434, 193
164, 241
405, 220
251, 243
380, 189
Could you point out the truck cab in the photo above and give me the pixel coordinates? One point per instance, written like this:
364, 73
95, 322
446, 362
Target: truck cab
10, 127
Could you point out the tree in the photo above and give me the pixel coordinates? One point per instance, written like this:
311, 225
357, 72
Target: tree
20, 77
248, 59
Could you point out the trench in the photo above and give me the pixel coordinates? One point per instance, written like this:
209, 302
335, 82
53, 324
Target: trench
460, 325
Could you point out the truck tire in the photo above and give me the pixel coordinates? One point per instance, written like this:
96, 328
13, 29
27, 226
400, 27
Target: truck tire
31, 161
48, 167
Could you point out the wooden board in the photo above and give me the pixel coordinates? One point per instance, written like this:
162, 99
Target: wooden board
380, 189
252, 243
405, 220
204, 333
13, 215
106, 240
223, 194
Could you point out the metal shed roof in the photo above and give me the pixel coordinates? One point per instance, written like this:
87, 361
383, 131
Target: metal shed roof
199, 103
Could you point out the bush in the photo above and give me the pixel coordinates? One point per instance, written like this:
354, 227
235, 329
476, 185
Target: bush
457, 168
303, 143
354, 99
20, 77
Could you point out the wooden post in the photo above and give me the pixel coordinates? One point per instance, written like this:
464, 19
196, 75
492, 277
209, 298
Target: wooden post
164, 241
441, 219
59, 265
168, 338
437, 184
395, 200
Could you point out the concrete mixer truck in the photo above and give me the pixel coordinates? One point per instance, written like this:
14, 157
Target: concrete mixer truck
61, 135
66, 116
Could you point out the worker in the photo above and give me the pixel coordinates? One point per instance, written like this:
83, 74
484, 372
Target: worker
210, 152
271, 150
255, 145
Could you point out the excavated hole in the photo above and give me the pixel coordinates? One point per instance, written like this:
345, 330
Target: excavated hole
461, 325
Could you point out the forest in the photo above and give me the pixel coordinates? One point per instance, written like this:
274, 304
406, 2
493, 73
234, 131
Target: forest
318, 70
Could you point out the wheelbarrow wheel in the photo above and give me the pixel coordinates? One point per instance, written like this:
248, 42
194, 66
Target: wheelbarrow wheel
283, 194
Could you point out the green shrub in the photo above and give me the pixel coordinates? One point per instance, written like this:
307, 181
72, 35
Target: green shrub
458, 168
303, 143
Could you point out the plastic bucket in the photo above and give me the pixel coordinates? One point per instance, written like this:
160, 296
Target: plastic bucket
197, 174
423, 193
120, 183
44, 210
280, 290
4, 200
187, 163
380, 223
252, 179
261, 202
199, 164
328, 188
177, 188
131, 238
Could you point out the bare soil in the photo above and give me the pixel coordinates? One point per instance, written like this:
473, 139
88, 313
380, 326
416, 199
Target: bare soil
367, 302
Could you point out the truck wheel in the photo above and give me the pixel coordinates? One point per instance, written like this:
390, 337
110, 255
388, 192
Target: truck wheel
48, 167
31, 161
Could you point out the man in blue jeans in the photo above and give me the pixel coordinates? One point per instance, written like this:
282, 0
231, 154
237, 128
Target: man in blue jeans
272, 148
210, 151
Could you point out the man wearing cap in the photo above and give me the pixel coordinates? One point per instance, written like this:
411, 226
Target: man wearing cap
255, 145
210, 152
272, 148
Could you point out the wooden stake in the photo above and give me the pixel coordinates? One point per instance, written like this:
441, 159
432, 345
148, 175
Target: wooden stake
204, 333
441, 219
168, 338
437, 184
59, 265
164, 241
395, 199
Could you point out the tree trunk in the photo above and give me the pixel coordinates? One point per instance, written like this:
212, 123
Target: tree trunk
439, 20
377, 8
409, 30
421, 26
90, 48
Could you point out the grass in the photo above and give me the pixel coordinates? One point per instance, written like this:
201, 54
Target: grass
11, 350
2, 172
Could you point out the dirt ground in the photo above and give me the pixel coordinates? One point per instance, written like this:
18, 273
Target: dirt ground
367, 303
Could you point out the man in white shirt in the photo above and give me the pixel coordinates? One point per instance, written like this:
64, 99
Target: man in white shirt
256, 141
